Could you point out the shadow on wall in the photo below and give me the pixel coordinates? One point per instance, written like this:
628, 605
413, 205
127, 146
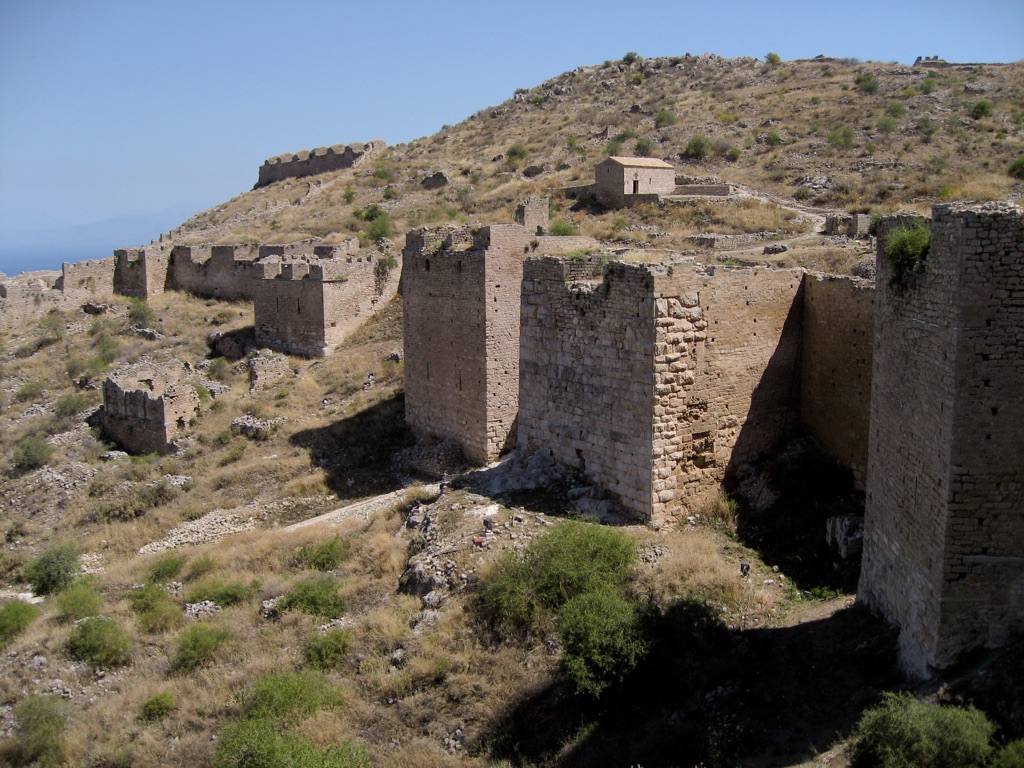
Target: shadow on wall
355, 453
788, 486
707, 695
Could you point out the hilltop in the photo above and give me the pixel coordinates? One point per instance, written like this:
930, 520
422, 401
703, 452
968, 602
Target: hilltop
835, 134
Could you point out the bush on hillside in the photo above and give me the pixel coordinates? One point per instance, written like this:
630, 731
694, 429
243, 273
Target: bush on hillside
31, 453
1016, 168
223, 593
197, 645
902, 732
79, 600
697, 148
261, 744
326, 650
290, 696
525, 590
100, 642
603, 640
39, 739
158, 706
315, 595
1010, 756
325, 556
15, 616
54, 569
154, 608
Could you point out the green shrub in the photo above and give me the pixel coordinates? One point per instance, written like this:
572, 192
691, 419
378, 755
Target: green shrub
79, 600
100, 642
30, 390
733, 154
980, 109
315, 595
1010, 756
219, 369
39, 739
631, 57
70, 405
325, 556
385, 172
896, 110
613, 148
697, 148
644, 146
907, 248
886, 124
841, 138
603, 640
902, 732
773, 139
223, 593
929, 84
516, 154
562, 228
158, 706
54, 569
166, 568
140, 313
155, 610
31, 453
201, 566
380, 227
573, 145
526, 589
1016, 168
290, 697
867, 83
197, 645
664, 118
259, 744
52, 325
15, 616
774, 59
349, 196
328, 649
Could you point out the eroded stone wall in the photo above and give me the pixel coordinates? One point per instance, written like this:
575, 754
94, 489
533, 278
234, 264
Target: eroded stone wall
835, 388
141, 272
944, 529
86, 280
586, 386
147, 406
727, 374
319, 160
310, 307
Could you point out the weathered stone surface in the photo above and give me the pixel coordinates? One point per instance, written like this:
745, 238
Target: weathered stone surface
944, 533
435, 181
267, 369
146, 406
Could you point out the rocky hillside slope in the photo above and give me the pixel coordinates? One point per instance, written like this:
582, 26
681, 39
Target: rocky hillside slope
832, 133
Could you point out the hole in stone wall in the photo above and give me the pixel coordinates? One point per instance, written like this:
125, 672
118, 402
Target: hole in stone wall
426, 265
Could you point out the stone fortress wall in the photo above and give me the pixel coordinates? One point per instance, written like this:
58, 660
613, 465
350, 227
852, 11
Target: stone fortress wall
460, 293
944, 518
319, 160
26, 298
147, 406
655, 384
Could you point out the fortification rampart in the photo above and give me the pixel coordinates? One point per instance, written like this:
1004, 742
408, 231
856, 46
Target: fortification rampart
146, 407
460, 290
319, 160
944, 531
654, 384
310, 307
26, 298
141, 272
86, 280
835, 380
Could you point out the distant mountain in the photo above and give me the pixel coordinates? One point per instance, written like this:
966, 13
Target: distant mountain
31, 249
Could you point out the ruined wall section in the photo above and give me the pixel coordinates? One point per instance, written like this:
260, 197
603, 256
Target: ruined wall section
319, 160
727, 377
943, 529
586, 386
85, 280
444, 323
146, 407
217, 271
23, 301
141, 272
835, 382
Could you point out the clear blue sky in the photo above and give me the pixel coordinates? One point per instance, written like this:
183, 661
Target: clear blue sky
123, 108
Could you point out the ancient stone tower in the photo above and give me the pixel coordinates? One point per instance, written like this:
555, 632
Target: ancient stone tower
944, 519
460, 297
